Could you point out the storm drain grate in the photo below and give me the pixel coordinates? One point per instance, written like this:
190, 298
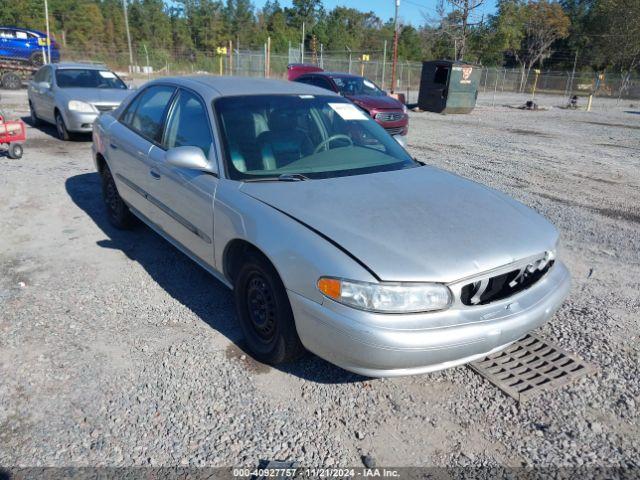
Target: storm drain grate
530, 365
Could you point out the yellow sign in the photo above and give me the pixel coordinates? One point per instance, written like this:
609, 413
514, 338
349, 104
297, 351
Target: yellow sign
43, 42
365, 58
221, 50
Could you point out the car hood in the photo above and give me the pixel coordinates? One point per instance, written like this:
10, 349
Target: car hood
372, 101
96, 95
419, 224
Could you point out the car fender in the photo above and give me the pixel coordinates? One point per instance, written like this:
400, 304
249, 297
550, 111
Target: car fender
298, 253
100, 137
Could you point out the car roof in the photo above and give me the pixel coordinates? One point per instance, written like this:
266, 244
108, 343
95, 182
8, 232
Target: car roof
29, 30
214, 86
84, 66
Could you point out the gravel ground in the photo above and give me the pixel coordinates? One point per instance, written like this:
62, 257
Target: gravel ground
115, 349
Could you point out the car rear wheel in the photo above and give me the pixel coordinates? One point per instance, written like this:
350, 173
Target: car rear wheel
35, 121
11, 81
264, 313
61, 128
117, 211
36, 59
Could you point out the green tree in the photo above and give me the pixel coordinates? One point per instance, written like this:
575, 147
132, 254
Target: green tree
240, 22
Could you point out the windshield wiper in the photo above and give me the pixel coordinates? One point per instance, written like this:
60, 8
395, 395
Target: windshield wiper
292, 177
285, 177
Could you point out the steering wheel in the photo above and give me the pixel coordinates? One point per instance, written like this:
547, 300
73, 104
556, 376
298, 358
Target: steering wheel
325, 143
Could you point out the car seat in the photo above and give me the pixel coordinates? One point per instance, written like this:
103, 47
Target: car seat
283, 143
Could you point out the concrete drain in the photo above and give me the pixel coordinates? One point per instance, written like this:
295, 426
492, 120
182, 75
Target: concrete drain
527, 367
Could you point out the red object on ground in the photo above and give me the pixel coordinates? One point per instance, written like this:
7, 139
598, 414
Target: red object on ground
294, 70
12, 135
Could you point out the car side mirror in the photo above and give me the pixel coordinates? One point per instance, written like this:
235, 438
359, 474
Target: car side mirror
192, 158
131, 86
45, 85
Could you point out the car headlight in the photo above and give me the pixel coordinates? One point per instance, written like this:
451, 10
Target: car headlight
78, 106
387, 297
405, 110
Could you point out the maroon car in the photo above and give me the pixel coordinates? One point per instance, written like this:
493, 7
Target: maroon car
294, 70
388, 112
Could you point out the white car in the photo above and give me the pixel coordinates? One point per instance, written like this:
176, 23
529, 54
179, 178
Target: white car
72, 95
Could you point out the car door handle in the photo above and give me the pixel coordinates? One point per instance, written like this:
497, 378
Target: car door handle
113, 146
155, 174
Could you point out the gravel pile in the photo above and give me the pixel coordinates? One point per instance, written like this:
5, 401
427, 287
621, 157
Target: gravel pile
115, 349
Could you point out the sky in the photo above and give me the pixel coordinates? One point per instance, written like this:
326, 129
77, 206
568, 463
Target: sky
411, 11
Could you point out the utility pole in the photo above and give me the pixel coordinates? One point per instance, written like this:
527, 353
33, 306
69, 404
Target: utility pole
349, 50
384, 63
302, 45
46, 17
573, 73
395, 49
126, 26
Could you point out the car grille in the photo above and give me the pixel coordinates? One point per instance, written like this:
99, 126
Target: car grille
106, 108
498, 287
395, 130
389, 116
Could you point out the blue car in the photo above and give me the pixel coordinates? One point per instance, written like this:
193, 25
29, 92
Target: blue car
26, 45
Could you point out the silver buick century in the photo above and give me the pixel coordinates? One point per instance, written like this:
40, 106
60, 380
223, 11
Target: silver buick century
331, 236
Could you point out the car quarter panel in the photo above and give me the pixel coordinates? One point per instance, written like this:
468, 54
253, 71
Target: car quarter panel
299, 255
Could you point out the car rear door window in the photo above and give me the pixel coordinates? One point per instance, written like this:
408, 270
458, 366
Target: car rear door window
322, 83
188, 124
145, 115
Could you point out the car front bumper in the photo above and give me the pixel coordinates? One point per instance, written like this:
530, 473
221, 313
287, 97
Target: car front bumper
79, 121
360, 341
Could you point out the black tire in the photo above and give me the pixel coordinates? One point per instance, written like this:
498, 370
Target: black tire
35, 121
118, 213
15, 151
36, 59
264, 313
11, 81
61, 128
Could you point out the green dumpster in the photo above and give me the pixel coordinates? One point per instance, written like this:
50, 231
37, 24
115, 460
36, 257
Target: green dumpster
448, 87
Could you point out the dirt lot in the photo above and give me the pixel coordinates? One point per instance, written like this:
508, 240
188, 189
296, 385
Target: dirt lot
115, 349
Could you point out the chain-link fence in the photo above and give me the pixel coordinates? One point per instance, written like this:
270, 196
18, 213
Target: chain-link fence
151, 63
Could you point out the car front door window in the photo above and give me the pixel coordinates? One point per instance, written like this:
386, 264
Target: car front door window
188, 124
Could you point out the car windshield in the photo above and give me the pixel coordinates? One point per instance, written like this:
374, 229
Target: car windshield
269, 137
88, 78
357, 86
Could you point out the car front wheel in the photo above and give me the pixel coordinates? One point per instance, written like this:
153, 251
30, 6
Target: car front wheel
35, 121
264, 313
117, 211
61, 128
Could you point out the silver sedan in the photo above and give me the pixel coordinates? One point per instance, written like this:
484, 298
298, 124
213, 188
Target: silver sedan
331, 236
72, 95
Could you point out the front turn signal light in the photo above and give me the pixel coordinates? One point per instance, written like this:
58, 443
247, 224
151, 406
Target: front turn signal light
331, 287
